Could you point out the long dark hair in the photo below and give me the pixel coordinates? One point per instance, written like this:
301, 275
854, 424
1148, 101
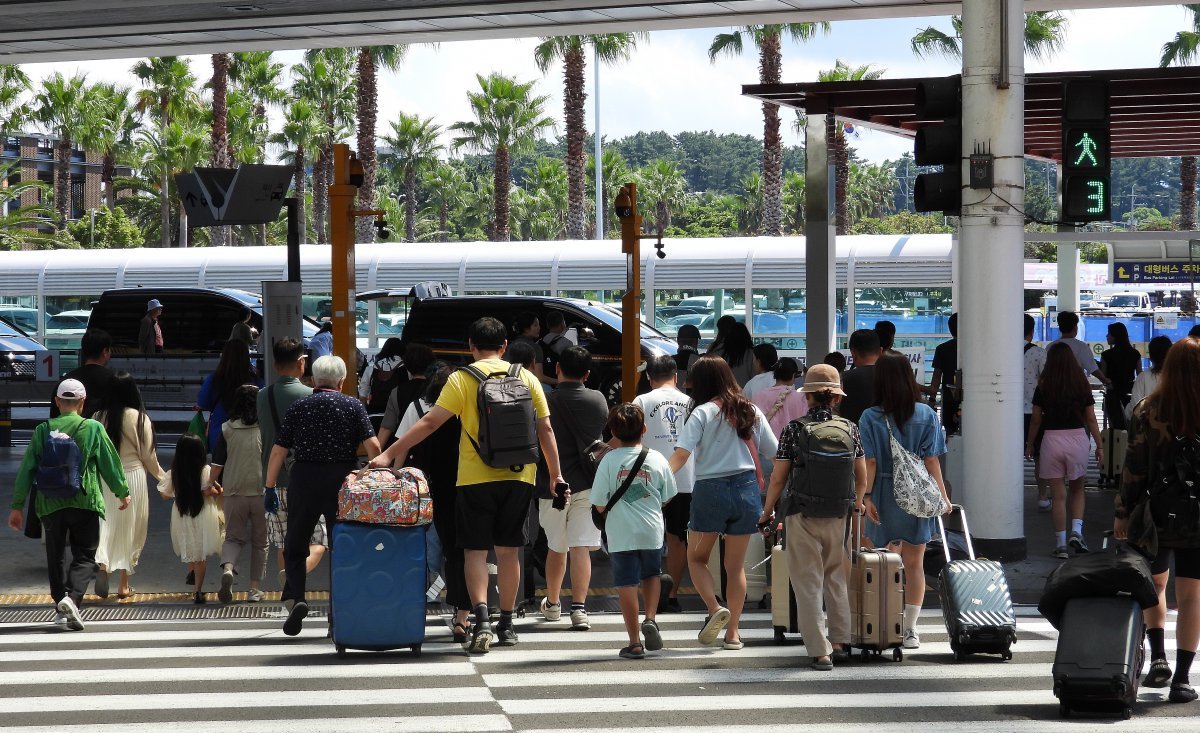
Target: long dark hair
391, 349
1062, 386
245, 404
123, 394
233, 370
712, 379
1120, 335
187, 472
437, 375
896, 390
738, 345
1176, 399
1159, 347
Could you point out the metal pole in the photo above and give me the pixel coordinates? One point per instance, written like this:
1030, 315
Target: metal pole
820, 240
596, 135
631, 327
992, 246
293, 238
341, 239
92, 229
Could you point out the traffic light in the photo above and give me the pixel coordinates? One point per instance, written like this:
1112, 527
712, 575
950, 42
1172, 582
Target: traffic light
1087, 173
939, 99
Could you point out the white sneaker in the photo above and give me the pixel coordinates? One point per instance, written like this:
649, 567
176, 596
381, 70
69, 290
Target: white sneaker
60, 619
579, 620
67, 608
255, 595
911, 640
550, 611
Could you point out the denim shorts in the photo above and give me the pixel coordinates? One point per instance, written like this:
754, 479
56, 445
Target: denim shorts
726, 505
631, 567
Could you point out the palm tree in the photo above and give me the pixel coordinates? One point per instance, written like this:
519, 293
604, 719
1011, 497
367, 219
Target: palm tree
220, 129
610, 49
508, 119
661, 188
370, 60
179, 148
793, 201
1183, 50
260, 79
769, 41
326, 80
446, 187
1045, 35
13, 84
301, 134
167, 93
547, 186
113, 133
750, 204
839, 151
66, 108
616, 173
19, 224
414, 144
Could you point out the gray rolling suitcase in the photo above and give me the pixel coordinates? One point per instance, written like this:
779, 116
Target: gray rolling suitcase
976, 603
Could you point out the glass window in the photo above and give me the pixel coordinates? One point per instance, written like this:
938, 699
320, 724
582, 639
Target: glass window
915, 311
67, 319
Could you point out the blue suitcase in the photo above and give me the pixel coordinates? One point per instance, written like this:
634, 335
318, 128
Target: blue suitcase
378, 587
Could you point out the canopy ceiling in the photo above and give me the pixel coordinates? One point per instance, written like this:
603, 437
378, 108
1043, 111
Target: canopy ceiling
65, 30
1155, 112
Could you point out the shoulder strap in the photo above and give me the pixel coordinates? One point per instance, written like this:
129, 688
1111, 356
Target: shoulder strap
779, 402
514, 370
1028, 345
274, 409
420, 410
633, 471
475, 372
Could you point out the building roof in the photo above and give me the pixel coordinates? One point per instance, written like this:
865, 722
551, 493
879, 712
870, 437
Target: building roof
1155, 112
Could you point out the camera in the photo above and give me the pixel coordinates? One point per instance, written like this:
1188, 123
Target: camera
381, 226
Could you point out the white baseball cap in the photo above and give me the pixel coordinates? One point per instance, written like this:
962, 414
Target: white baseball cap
71, 389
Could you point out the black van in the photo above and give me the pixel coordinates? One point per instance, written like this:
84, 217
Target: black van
442, 321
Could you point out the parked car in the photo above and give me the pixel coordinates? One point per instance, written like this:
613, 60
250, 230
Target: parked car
20, 316
19, 354
65, 329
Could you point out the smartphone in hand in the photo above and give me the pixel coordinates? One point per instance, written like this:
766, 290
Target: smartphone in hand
560, 500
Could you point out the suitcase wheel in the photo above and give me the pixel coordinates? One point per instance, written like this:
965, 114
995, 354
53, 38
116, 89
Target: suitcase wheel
1127, 713
959, 655
1064, 710
416, 649
1007, 655
341, 650
897, 655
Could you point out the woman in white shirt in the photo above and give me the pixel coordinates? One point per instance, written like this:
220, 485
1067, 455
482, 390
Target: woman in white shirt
1147, 380
734, 450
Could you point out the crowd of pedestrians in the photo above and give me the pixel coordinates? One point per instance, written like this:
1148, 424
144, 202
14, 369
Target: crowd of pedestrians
693, 469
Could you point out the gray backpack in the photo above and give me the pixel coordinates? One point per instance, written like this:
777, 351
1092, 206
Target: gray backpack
507, 422
821, 485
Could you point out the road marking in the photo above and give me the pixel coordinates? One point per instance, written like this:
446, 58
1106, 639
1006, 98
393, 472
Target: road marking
1136, 725
397, 724
398, 669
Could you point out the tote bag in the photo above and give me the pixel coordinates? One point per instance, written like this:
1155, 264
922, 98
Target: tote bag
914, 489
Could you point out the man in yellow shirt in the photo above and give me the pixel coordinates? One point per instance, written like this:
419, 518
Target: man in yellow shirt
492, 502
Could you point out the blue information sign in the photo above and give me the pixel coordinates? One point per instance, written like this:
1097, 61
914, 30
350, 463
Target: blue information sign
1155, 271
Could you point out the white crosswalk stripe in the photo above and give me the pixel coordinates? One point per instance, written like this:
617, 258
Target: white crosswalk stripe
218, 676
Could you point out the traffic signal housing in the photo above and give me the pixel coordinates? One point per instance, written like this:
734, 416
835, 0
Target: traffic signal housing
940, 144
1087, 171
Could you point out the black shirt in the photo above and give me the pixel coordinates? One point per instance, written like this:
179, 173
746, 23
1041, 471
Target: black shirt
325, 427
859, 386
96, 380
1120, 365
1063, 412
945, 359
589, 411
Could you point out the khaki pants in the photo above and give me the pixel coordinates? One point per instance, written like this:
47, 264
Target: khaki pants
817, 561
241, 511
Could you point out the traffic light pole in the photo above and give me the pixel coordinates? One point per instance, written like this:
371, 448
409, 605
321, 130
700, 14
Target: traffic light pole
992, 248
631, 317
342, 193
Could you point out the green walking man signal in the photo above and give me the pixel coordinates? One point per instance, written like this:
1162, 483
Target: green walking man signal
1087, 149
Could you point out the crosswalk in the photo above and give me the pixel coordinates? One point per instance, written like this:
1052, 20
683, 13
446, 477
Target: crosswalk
232, 675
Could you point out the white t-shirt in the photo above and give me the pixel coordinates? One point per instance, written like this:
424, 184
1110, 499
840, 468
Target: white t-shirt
758, 383
718, 450
1083, 354
1035, 362
666, 410
1145, 383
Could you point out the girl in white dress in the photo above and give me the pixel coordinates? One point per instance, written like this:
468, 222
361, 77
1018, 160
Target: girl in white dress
123, 534
196, 522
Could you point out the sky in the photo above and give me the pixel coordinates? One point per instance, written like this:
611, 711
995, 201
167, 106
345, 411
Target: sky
670, 85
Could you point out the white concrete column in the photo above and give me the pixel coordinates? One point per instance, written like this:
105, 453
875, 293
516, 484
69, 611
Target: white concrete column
820, 240
991, 256
1068, 276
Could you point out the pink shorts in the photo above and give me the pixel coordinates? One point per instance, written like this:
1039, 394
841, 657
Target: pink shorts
1064, 454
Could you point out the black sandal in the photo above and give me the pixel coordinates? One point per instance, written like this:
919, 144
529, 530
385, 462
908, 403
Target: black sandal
1159, 674
462, 632
637, 651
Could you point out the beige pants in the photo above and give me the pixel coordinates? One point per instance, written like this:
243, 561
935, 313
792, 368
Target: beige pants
242, 512
817, 561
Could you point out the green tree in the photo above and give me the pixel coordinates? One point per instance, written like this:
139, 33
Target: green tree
106, 229
301, 134
904, 222
221, 158
610, 49
113, 133
1183, 50
769, 41
258, 78
167, 93
839, 151
370, 59
66, 108
661, 191
750, 208
546, 187
415, 147
871, 190
793, 202
182, 146
508, 117
20, 224
326, 80
1045, 35
13, 84
616, 173
446, 187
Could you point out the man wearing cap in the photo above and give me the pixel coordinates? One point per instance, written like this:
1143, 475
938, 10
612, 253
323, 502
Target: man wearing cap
74, 521
820, 498
150, 338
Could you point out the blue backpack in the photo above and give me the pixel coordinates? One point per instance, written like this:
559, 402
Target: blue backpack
59, 473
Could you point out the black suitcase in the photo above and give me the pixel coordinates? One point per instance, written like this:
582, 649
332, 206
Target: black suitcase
976, 603
1099, 656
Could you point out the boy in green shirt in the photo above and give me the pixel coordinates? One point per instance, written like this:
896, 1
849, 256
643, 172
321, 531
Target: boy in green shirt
74, 520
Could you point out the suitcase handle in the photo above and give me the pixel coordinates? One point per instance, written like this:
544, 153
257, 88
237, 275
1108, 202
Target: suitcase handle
966, 531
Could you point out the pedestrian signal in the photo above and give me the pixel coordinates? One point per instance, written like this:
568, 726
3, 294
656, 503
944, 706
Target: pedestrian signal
1087, 176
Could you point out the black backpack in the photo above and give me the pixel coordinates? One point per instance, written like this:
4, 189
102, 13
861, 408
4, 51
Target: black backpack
383, 381
551, 350
507, 421
821, 484
1175, 498
60, 470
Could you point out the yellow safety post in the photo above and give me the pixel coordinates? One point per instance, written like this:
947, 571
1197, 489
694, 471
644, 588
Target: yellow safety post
631, 321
